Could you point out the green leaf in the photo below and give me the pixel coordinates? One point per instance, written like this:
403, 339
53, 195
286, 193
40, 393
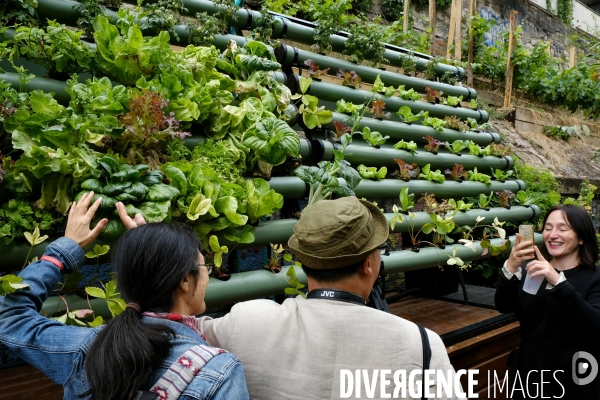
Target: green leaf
304, 84
161, 192
95, 292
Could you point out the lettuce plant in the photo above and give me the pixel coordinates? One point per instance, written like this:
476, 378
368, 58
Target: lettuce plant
407, 171
374, 138
408, 146
479, 177
432, 176
406, 115
372, 172
457, 173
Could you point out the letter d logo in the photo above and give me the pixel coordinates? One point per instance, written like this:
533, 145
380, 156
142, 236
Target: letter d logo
579, 367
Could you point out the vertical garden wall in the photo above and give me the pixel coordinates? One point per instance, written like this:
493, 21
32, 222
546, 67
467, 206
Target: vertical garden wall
235, 139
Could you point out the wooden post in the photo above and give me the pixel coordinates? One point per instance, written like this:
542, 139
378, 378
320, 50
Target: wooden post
432, 26
572, 57
471, 55
458, 32
514, 15
451, 28
405, 16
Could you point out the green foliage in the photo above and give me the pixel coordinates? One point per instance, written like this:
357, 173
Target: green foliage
406, 115
330, 16
366, 41
372, 172
408, 94
203, 29
374, 138
295, 286
408, 146
457, 146
18, 217
348, 108
436, 123
111, 295
476, 176
564, 11
11, 283
59, 50
432, 176
88, 11
161, 15
559, 132
18, 12
542, 188
313, 116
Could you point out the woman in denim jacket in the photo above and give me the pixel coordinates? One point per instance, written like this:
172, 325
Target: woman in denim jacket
162, 276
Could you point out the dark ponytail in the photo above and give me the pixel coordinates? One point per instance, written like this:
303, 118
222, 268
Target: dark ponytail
150, 262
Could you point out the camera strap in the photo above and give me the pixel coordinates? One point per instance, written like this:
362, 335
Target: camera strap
339, 295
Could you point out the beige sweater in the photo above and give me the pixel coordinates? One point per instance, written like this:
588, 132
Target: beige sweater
297, 350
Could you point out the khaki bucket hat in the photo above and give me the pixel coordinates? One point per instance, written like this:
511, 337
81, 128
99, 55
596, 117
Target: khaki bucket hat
336, 233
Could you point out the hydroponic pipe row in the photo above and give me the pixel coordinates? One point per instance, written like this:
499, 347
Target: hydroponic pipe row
256, 284
415, 132
332, 92
359, 152
289, 56
279, 231
292, 187
303, 31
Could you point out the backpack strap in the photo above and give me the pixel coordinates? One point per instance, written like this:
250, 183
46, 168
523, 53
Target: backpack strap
426, 357
180, 374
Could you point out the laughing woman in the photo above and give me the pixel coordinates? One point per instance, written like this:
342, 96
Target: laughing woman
162, 275
562, 320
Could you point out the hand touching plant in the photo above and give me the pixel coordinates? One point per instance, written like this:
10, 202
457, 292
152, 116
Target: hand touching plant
78, 225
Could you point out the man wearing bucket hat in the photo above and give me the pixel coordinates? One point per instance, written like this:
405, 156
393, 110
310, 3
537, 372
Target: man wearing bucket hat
307, 348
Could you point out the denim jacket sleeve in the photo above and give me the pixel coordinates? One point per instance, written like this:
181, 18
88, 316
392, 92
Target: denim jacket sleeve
221, 379
47, 344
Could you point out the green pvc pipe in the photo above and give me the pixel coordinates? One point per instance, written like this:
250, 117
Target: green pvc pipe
279, 231
289, 56
333, 92
390, 188
400, 130
256, 284
360, 152
55, 304
45, 84
292, 187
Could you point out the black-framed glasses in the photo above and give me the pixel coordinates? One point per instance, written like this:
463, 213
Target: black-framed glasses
208, 266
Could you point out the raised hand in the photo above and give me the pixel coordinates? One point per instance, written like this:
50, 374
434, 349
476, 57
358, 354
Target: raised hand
520, 253
129, 222
542, 267
78, 224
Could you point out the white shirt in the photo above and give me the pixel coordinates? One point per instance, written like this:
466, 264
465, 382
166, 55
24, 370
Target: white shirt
518, 274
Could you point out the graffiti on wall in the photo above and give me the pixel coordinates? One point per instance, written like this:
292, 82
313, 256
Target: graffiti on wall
498, 27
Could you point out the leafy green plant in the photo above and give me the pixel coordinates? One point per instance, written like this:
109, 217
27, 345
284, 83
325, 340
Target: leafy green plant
432, 176
406, 115
322, 179
407, 171
406, 200
456, 146
372, 172
340, 130
11, 283
454, 122
366, 41
314, 70
19, 218
479, 177
475, 150
439, 226
436, 123
459, 205
111, 295
408, 94
203, 28
377, 107
432, 95
18, 12
559, 132
408, 61
351, 78
452, 100
433, 145
457, 173
88, 10
312, 115
272, 141
348, 108
295, 286
504, 197
484, 201
502, 175
408, 146
329, 16
374, 138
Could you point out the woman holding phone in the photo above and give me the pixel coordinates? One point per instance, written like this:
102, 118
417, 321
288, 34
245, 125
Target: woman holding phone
560, 323
162, 276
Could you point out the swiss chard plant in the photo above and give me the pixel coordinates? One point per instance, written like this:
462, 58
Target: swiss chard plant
374, 138
432, 176
408, 146
372, 172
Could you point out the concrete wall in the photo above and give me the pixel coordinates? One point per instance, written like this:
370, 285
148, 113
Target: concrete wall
538, 25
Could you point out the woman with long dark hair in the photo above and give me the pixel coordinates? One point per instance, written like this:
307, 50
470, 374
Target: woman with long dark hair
560, 323
151, 350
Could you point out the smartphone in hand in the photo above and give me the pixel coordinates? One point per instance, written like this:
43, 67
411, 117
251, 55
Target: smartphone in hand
526, 233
